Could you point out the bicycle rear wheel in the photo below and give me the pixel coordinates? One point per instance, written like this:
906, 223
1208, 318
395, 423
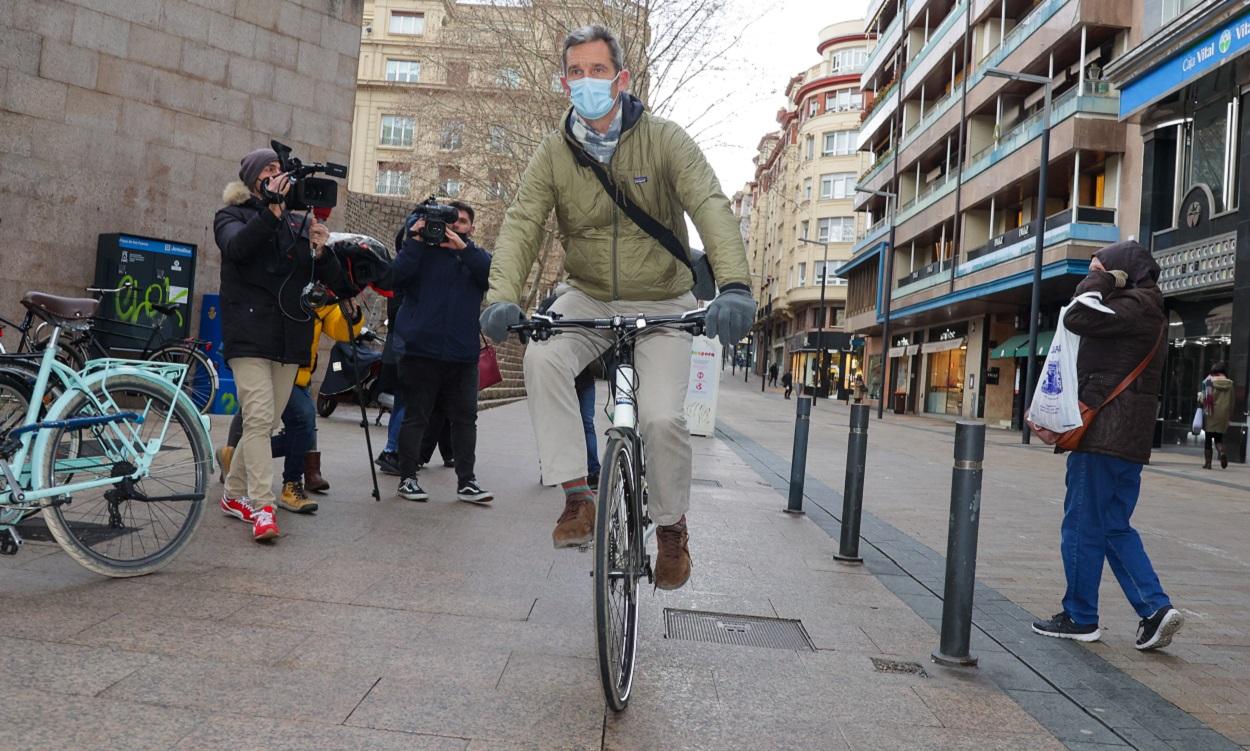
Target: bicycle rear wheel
618, 566
128, 537
201, 383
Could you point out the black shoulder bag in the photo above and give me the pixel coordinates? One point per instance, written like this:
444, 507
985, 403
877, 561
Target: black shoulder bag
696, 260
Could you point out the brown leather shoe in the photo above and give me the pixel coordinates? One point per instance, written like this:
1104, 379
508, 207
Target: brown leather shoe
576, 525
313, 480
672, 561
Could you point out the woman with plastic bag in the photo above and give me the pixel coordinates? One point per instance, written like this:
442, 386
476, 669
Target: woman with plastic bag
1119, 370
1216, 410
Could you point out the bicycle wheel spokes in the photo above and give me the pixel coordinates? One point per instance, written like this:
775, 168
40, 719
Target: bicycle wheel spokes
201, 382
109, 529
618, 566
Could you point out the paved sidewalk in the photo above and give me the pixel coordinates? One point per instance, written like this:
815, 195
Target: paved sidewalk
444, 625
1193, 522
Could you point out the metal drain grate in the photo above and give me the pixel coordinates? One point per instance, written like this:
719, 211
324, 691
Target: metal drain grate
885, 665
709, 483
743, 630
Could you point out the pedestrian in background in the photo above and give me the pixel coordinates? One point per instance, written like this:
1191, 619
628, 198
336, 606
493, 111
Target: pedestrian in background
858, 388
1217, 409
772, 374
1104, 472
787, 381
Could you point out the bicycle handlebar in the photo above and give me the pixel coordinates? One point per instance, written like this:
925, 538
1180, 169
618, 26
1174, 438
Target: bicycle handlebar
125, 286
544, 325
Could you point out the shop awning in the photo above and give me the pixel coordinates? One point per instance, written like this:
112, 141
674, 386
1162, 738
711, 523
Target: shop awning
1018, 346
944, 345
910, 349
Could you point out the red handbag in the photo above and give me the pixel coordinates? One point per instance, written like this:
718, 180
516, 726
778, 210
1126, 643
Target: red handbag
487, 367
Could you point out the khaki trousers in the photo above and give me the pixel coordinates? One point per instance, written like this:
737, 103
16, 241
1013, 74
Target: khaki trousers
662, 362
264, 387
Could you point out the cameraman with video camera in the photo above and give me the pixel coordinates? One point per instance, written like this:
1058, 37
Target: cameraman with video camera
271, 261
442, 276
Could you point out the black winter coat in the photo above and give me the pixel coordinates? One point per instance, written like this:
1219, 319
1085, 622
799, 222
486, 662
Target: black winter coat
442, 293
1111, 347
265, 265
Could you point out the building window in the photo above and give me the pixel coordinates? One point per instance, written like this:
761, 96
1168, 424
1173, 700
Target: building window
837, 229
452, 135
823, 278
508, 78
807, 189
403, 71
498, 139
813, 105
848, 60
392, 179
809, 147
397, 130
410, 24
449, 180
844, 100
804, 227
837, 185
803, 272
839, 143
1209, 157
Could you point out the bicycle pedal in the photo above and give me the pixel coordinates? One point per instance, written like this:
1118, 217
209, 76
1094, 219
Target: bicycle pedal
10, 541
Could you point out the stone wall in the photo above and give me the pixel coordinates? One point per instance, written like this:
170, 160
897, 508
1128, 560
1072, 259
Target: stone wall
131, 116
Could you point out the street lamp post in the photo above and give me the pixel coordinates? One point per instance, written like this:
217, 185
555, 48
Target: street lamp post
1038, 236
820, 328
890, 200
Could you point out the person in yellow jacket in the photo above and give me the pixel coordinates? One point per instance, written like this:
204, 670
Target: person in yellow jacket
297, 443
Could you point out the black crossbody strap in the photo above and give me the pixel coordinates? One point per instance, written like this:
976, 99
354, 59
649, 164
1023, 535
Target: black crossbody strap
663, 235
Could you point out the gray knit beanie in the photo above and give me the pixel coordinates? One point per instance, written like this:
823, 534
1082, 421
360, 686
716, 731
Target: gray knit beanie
251, 165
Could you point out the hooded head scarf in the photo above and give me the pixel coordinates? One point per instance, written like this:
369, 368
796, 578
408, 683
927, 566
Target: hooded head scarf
1133, 259
251, 165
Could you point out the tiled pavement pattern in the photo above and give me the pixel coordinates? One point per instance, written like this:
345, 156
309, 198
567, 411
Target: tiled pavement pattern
1193, 523
397, 625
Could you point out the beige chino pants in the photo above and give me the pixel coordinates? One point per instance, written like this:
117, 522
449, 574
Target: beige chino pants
662, 362
264, 387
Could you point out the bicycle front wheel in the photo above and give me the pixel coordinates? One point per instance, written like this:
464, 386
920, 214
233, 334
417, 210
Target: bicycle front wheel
110, 531
618, 566
201, 383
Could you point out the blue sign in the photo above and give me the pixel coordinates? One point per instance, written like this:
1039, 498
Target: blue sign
130, 242
1214, 50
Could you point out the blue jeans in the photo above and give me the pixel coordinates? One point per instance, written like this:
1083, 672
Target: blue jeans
586, 400
299, 434
1102, 493
392, 427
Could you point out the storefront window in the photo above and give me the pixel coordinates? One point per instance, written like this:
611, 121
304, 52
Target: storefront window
1207, 148
945, 395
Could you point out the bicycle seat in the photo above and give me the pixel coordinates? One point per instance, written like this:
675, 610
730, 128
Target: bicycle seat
63, 308
168, 310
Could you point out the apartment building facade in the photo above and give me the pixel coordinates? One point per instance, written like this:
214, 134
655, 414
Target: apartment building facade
800, 222
954, 156
1185, 86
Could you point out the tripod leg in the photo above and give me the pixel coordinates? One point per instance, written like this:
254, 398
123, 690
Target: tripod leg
364, 421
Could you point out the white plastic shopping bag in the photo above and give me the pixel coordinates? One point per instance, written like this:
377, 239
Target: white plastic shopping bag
1056, 406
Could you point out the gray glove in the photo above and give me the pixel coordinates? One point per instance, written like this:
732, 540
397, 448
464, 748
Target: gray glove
730, 316
498, 317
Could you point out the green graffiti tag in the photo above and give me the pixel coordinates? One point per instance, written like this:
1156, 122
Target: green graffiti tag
129, 304
229, 404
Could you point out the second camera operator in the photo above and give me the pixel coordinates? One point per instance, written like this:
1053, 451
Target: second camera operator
442, 276
270, 260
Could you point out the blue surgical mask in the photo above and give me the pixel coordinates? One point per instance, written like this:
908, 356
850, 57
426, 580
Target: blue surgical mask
592, 97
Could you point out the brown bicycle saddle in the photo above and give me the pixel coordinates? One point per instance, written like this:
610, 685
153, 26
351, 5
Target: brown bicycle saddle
66, 308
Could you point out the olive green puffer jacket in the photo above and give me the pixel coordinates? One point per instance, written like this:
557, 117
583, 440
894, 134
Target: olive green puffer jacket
607, 256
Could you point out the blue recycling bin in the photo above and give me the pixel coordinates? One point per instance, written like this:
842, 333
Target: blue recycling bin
227, 400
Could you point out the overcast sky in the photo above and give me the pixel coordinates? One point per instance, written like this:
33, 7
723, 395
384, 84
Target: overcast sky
780, 43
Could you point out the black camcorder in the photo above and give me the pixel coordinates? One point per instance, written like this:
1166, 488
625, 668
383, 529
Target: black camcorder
437, 216
307, 192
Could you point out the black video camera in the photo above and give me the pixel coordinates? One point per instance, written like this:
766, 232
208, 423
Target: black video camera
437, 216
306, 191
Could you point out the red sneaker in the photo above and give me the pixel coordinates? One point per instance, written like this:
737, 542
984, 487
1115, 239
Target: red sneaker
264, 524
239, 508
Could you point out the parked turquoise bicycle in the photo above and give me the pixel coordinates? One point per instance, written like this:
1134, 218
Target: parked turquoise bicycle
115, 456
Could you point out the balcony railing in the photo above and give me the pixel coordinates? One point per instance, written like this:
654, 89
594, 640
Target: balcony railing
1063, 107
937, 36
872, 117
1084, 215
936, 110
871, 235
936, 267
884, 43
876, 167
931, 193
1023, 30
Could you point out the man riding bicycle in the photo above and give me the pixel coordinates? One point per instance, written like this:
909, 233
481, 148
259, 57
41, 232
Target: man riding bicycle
616, 267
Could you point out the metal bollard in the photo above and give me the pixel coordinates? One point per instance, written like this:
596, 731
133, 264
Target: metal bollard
961, 546
853, 490
798, 461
